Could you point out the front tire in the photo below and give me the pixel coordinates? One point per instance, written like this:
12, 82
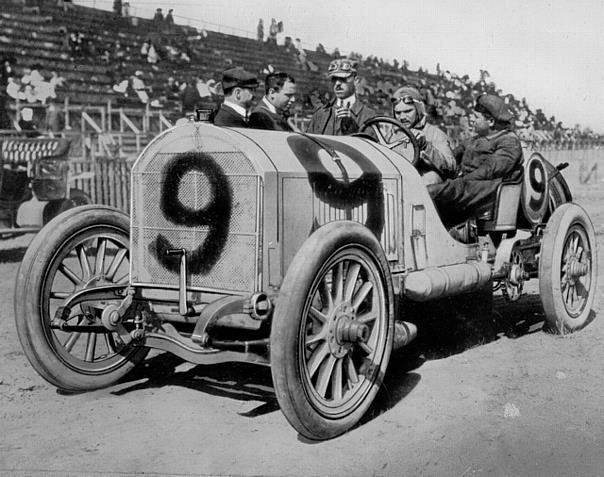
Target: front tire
568, 269
332, 330
83, 248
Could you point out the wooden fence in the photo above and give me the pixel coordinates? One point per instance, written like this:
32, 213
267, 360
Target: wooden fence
106, 180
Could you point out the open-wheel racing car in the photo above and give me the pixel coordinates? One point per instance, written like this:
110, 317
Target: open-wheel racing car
291, 250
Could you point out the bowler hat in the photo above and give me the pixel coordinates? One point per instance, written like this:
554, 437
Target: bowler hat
495, 107
342, 68
238, 77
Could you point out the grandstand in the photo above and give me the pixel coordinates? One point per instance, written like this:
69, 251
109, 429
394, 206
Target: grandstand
110, 120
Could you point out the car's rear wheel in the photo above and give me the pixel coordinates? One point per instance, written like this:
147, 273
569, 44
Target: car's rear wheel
568, 269
332, 330
82, 249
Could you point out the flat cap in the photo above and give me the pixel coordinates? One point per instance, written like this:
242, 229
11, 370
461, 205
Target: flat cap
238, 77
495, 107
342, 68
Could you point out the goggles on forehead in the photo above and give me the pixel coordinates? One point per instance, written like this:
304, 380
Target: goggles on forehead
403, 99
346, 67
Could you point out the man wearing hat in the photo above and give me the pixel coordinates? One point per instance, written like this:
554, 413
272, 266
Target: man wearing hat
239, 87
280, 91
346, 113
437, 161
493, 155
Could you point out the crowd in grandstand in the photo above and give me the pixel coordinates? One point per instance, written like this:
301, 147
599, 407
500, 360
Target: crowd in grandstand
159, 71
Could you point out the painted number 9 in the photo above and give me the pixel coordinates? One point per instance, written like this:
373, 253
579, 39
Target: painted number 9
536, 190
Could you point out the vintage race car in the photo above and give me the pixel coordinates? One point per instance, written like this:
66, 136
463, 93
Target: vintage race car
290, 250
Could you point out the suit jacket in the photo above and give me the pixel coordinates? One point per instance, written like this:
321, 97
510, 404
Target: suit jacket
324, 120
264, 118
227, 116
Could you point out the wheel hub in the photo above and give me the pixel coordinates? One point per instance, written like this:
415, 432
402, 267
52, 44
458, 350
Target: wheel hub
576, 268
344, 330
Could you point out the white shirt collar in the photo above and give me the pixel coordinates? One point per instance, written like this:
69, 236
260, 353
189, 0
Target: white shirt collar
269, 105
350, 101
239, 109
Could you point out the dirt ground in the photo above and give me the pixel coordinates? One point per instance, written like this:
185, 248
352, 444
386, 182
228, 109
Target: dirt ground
499, 397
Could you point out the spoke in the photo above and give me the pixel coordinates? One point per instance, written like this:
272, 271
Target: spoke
336, 381
351, 281
320, 336
100, 257
317, 358
70, 274
83, 258
71, 341
568, 293
378, 132
317, 315
367, 317
365, 347
361, 295
110, 342
115, 264
338, 283
581, 290
123, 279
59, 295
575, 242
580, 251
353, 376
325, 373
90, 347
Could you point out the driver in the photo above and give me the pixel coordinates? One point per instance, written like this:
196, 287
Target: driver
343, 115
436, 157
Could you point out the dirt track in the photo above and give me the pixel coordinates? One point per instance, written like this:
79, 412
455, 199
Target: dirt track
499, 397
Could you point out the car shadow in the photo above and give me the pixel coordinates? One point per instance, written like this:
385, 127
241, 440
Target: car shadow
450, 327
12, 255
238, 381
445, 329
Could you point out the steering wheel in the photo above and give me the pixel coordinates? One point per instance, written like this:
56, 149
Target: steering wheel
374, 123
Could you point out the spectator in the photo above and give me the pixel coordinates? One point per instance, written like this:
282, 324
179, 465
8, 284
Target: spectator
271, 113
344, 114
191, 100
26, 123
272, 32
239, 87
260, 30
117, 8
169, 18
52, 123
5, 121
158, 18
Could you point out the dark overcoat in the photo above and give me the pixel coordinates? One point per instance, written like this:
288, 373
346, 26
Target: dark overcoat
485, 162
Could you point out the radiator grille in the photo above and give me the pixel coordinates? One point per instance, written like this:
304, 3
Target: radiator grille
229, 258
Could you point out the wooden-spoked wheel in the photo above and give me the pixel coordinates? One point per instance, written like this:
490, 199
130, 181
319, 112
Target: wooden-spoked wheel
568, 269
332, 330
84, 248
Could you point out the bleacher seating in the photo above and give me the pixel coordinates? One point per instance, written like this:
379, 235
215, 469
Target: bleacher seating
40, 40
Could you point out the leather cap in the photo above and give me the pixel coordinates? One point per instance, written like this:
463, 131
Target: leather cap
495, 107
238, 77
406, 91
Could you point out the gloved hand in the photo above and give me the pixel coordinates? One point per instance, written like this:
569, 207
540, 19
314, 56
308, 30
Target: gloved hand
421, 140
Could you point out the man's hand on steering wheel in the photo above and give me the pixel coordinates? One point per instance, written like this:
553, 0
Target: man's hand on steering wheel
374, 124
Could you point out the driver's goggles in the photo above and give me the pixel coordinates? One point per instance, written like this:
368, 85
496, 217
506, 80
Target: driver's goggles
403, 99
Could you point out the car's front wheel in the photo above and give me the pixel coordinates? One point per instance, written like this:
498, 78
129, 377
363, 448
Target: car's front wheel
332, 330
